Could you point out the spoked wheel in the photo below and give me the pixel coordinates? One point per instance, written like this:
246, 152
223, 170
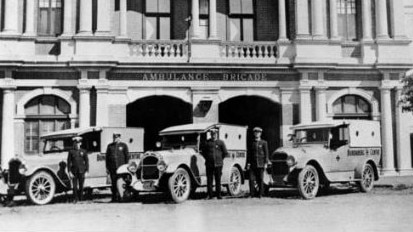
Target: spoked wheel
235, 181
308, 182
179, 185
367, 181
40, 188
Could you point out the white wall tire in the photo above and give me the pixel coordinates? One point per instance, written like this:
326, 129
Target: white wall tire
235, 182
40, 188
179, 185
308, 182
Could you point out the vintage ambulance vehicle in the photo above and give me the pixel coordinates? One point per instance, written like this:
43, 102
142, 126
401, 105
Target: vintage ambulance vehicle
179, 167
327, 152
42, 176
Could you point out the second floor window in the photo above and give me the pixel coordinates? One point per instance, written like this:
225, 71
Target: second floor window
50, 17
348, 23
158, 20
241, 20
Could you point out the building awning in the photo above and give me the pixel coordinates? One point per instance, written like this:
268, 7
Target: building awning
69, 133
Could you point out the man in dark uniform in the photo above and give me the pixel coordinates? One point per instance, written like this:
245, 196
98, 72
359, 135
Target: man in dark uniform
78, 166
117, 154
214, 152
257, 161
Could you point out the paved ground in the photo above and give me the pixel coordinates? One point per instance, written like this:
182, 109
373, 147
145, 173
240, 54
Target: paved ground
343, 209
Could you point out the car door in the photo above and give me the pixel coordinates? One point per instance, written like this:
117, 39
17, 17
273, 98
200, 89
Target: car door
97, 163
339, 145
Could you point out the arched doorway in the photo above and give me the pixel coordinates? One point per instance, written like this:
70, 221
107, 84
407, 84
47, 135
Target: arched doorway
254, 111
155, 113
352, 107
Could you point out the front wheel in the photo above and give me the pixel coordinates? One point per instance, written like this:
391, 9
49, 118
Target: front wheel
235, 181
40, 188
308, 182
179, 185
125, 193
367, 181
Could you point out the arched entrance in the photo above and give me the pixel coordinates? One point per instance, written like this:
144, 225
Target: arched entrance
155, 113
254, 111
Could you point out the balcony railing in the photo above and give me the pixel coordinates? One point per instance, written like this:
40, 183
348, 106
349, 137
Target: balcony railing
159, 49
259, 51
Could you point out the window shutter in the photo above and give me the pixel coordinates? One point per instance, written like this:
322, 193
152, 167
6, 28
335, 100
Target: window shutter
248, 29
235, 29
165, 28
150, 28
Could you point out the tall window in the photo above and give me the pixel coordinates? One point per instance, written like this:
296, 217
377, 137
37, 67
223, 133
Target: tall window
351, 107
44, 114
241, 20
50, 17
348, 23
158, 19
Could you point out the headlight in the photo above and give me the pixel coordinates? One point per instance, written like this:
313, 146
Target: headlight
290, 161
133, 167
161, 166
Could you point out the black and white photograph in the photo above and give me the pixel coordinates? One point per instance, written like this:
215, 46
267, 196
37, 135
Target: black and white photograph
206, 115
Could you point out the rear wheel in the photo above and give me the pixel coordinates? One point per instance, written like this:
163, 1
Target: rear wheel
367, 181
40, 188
308, 182
179, 185
235, 181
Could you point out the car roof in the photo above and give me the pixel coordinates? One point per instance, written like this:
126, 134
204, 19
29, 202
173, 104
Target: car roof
332, 123
70, 132
192, 128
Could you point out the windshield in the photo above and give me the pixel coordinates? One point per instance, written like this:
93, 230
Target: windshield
319, 135
180, 141
57, 145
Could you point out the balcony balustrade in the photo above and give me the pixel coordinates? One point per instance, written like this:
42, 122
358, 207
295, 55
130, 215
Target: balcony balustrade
159, 49
251, 51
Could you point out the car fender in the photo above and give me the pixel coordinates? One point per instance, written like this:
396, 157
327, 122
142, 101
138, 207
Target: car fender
60, 185
123, 169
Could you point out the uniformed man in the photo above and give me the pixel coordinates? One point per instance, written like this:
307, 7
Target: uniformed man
214, 152
78, 166
257, 161
117, 154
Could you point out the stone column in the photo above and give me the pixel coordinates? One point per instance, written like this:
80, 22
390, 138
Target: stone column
321, 103
7, 133
404, 159
282, 21
195, 19
30, 18
305, 104
68, 16
84, 106
317, 19
123, 19
303, 30
333, 20
387, 132
103, 18
85, 19
213, 33
366, 13
11, 17
398, 27
381, 19
102, 92
287, 104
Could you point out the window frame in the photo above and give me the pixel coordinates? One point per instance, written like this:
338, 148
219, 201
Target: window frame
342, 114
51, 24
242, 17
347, 24
158, 16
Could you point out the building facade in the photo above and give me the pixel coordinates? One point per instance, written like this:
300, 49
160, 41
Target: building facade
157, 63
